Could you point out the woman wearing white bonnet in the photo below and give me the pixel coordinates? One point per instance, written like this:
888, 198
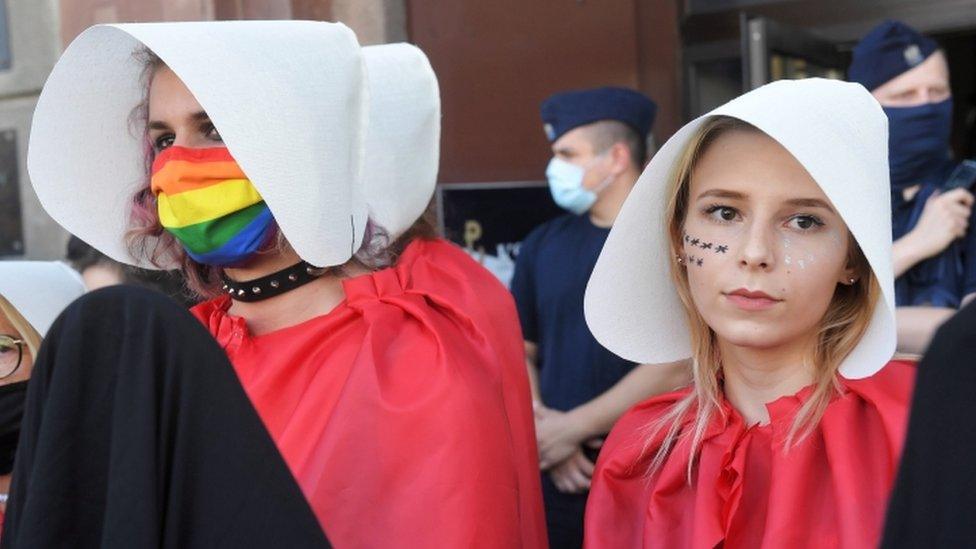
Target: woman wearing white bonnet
765, 225
32, 294
285, 170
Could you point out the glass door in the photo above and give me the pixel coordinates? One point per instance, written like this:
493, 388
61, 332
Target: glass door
775, 51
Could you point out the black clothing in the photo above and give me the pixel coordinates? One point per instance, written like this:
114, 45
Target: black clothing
137, 433
935, 492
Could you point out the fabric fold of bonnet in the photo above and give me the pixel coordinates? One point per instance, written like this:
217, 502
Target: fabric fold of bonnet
403, 138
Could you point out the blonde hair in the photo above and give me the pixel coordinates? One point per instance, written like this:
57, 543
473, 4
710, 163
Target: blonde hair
24, 329
841, 328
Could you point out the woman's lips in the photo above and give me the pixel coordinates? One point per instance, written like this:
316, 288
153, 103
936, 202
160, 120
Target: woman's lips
748, 300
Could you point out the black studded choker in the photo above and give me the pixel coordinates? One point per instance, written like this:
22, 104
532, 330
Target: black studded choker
272, 285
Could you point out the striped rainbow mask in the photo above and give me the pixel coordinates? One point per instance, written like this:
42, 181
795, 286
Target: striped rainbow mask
209, 205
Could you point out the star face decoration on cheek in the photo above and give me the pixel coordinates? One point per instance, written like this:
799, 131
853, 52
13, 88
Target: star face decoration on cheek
698, 262
699, 243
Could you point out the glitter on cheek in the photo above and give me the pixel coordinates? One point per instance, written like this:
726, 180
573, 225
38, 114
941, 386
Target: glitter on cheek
802, 264
789, 260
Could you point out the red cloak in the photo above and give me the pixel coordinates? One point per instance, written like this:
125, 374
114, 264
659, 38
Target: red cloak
405, 412
830, 490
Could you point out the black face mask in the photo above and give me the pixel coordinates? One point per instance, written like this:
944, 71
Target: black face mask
918, 142
12, 397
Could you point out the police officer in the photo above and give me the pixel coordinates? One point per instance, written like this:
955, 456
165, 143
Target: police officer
934, 252
599, 144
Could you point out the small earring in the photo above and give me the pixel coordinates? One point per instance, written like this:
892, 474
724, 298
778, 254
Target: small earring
680, 259
852, 280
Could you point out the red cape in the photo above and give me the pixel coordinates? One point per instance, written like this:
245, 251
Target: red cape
404, 413
831, 490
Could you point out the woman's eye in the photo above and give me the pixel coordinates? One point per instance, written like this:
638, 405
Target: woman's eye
212, 133
805, 222
163, 142
722, 213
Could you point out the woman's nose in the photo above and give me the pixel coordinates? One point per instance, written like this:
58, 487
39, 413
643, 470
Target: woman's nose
757, 248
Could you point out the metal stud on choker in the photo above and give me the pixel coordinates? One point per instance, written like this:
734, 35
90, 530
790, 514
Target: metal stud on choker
273, 284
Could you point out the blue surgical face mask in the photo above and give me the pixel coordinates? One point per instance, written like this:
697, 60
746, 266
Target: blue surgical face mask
918, 142
566, 186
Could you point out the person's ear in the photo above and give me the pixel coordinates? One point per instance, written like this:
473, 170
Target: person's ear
849, 274
848, 278
620, 158
852, 271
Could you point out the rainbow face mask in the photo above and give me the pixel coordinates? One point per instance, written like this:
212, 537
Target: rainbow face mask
209, 205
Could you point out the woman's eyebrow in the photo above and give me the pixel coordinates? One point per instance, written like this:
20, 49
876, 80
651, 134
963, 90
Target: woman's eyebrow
795, 202
198, 116
810, 203
722, 193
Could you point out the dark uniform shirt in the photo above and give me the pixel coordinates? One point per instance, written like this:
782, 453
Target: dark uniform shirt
946, 278
553, 265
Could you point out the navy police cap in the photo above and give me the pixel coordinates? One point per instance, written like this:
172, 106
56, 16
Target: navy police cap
888, 50
570, 109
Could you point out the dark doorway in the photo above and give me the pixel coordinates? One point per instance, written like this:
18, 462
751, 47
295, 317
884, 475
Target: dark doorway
960, 49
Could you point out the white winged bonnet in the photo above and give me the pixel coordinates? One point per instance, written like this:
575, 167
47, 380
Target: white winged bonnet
838, 132
39, 290
289, 99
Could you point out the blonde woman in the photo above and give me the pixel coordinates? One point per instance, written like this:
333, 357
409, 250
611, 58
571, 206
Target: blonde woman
773, 211
32, 294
